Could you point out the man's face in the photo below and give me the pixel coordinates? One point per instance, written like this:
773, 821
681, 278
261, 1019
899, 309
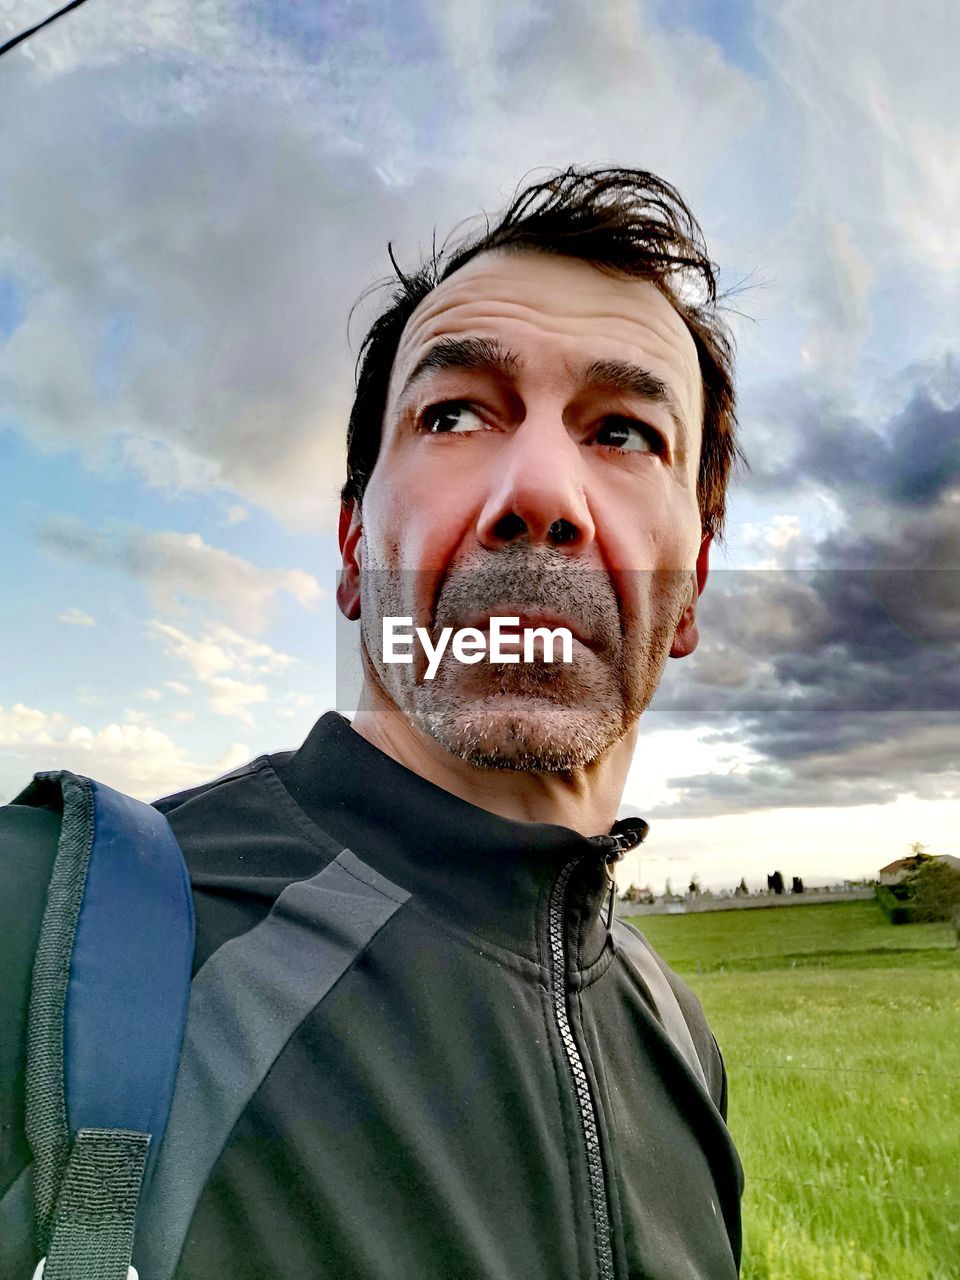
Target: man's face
542, 464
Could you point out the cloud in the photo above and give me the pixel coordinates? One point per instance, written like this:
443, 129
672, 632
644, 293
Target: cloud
20, 724
185, 315
896, 757
827, 277
908, 460
841, 679
77, 618
230, 697
854, 191
843, 684
875, 86
219, 650
135, 757
172, 565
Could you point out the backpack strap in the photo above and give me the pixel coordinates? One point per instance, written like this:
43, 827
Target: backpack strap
108, 1002
638, 956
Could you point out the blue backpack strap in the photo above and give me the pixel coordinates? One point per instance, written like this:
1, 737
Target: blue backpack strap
108, 1005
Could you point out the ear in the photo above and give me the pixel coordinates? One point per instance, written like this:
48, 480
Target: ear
350, 533
687, 637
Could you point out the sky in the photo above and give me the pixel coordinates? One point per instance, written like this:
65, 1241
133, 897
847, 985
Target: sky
194, 196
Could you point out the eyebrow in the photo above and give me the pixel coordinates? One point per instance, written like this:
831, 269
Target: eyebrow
632, 379
481, 354
488, 355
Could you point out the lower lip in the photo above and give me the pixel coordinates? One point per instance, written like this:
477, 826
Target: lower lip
513, 639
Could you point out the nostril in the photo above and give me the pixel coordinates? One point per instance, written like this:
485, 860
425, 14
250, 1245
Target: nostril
509, 527
562, 531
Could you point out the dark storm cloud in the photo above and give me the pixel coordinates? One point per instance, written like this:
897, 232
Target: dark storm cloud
843, 680
909, 459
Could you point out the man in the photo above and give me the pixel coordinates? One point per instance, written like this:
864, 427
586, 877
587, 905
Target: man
486, 1075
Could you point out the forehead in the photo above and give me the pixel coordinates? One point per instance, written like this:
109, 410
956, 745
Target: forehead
550, 304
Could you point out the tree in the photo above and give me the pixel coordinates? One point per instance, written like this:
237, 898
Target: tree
916, 858
775, 882
694, 887
797, 884
934, 889
741, 891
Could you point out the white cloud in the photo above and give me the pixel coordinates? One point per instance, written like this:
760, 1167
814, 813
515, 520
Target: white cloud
27, 724
192, 308
230, 697
836, 279
217, 651
177, 686
236, 514
77, 618
173, 565
875, 85
778, 543
150, 695
134, 757
133, 716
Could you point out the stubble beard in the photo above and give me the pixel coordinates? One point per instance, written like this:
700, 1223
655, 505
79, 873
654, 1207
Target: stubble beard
531, 717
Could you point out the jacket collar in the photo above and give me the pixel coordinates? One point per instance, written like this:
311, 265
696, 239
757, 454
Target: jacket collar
475, 870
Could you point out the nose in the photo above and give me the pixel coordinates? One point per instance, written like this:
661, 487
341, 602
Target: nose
537, 491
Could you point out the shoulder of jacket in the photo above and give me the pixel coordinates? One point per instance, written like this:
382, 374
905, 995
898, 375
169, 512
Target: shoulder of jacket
244, 773
703, 1038
28, 847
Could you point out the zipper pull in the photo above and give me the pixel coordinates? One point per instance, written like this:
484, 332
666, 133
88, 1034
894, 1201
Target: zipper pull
611, 857
617, 844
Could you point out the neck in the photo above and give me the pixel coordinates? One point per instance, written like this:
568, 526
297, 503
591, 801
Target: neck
584, 799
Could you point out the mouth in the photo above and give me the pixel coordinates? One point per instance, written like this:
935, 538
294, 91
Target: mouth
527, 620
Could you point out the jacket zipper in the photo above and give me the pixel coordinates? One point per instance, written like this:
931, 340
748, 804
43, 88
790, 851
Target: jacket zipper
598, 1194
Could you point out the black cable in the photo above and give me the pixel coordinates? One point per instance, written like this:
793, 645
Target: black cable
25, 35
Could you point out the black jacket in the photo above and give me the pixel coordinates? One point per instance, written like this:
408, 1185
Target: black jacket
460, 1073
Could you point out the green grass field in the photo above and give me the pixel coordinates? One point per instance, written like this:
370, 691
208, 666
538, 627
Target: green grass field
841, 1035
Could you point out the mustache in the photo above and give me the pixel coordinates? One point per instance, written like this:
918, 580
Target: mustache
509, 582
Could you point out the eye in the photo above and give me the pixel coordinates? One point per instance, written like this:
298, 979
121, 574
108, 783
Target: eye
628, 436
452, 417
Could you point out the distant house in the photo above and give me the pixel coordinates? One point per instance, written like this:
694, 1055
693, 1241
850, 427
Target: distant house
894, 872
639, 893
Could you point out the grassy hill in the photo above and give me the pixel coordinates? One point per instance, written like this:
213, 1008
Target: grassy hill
840, 1035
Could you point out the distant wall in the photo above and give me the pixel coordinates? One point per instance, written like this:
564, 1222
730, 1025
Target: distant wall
740, 904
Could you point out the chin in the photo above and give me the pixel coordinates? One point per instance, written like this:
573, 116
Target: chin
522, 731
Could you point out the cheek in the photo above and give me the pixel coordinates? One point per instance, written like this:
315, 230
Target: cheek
414, 527
654, 530
651, 551
423, 516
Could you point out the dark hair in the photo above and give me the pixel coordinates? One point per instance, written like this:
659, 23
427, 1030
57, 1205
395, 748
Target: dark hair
626, 222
